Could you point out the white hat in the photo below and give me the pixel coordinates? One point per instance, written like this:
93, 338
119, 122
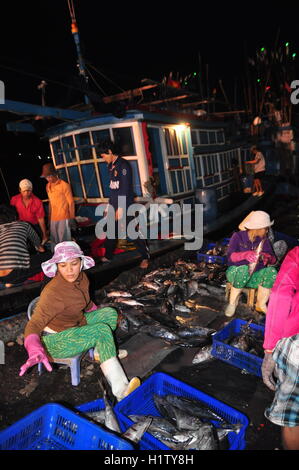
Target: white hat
25, 185
256, 220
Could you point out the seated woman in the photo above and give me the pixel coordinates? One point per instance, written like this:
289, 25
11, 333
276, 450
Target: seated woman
250, 256
281, 346
66, 310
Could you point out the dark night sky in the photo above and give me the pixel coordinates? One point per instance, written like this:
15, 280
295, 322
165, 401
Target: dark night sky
127, 42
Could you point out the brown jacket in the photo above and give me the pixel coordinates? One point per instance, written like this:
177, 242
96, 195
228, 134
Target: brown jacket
61, 305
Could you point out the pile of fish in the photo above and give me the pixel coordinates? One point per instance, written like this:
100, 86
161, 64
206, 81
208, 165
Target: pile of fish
218, 250
107, 418
183, 424
168, 303
187, 424
248, 340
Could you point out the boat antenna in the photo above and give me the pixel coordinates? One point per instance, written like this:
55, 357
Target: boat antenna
75, 33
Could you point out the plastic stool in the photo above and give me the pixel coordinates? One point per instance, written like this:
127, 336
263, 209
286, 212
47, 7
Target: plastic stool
72, 362
251, 293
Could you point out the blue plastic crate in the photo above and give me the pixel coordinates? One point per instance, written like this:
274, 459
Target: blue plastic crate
235, 356
54, 427
141, 402
211, 258
95, 405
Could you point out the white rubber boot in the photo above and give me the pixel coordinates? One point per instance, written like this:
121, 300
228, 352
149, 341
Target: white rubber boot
262, 298
233, 301
117, 378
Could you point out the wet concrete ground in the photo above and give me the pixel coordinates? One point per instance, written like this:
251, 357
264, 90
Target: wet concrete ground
245, 392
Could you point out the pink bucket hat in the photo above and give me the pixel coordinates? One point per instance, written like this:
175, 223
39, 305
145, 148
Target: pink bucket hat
63, 252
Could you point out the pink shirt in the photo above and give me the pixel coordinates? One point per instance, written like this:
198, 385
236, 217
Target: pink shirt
32, 212
282, 319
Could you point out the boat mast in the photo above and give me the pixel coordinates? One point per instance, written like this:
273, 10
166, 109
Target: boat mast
75, 33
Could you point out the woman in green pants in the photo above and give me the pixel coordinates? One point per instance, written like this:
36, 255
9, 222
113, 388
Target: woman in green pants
75, 324
250, 259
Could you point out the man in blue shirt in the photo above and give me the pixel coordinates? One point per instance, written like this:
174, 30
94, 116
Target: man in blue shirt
121, 184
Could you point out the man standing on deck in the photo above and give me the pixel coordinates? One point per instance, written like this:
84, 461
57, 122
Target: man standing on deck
259, 171
30, 209
121, 184
61, 205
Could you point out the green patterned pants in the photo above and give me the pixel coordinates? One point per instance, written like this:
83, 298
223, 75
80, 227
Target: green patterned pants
97, 333
239, 277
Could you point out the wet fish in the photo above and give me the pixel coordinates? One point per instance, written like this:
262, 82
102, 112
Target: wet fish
182, 308
124, 325
138, 319
151, 285
169, 441
135, 432
217, 291
192, 287
131, 302
194, 407
98, 416
119, 293
195, 331
166, 307
158, 424
203, 439
110, 418
185, 421
158, 331
204, 354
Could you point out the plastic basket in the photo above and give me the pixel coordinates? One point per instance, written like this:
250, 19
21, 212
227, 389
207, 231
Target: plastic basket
54, 427
141, 401
95, 405
235, 356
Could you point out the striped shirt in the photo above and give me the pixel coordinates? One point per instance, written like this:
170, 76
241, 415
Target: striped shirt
13, 245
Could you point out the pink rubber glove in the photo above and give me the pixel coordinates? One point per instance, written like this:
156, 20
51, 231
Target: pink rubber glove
36, 354
250, 256
92, 308
267, 258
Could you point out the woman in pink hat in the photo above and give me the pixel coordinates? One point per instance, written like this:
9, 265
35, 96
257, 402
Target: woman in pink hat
66, 311
250, 259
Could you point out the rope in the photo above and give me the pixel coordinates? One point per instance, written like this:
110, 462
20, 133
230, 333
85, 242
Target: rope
95, 82
106, 78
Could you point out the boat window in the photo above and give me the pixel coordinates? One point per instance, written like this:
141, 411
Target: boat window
69, 149
102, 134
184, 143
62, 174
194, 137
75, 181
105, 178
84, 146
203, 137
212, 137
180, 181
188, 179
123, 137
58, 153
220, 137
174, 183
167, 140
136, 178
90, 180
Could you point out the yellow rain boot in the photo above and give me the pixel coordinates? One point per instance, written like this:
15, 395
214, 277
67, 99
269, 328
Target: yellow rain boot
262, 298
233, 301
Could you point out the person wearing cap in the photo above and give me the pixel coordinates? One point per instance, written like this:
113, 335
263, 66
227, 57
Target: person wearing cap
250, 259
30, 208
121, 185
73, 321
259, 171
281, 345
61, 205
